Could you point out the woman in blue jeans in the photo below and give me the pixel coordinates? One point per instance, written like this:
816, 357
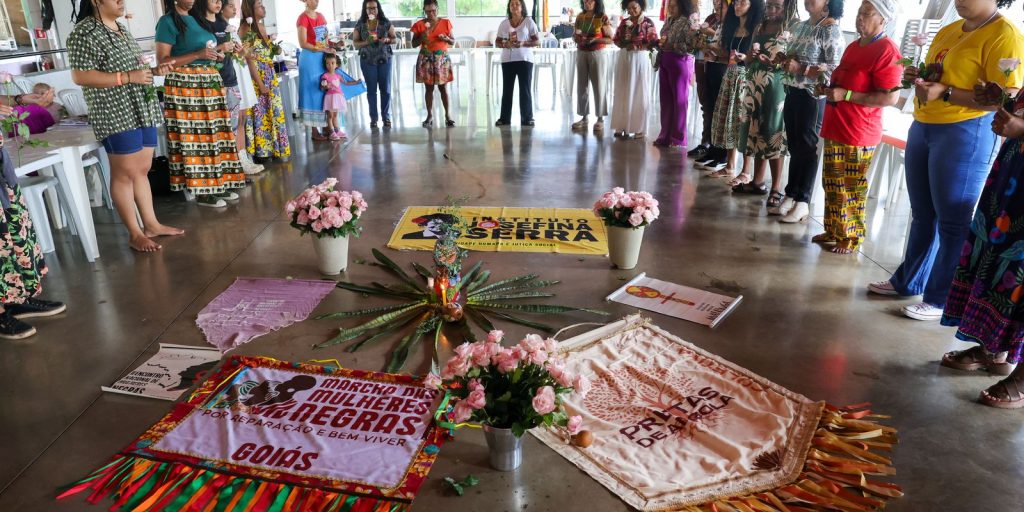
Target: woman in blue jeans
373, 36
950, 149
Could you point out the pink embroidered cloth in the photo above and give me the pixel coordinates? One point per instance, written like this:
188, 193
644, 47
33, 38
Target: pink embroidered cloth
254, 306
676, 426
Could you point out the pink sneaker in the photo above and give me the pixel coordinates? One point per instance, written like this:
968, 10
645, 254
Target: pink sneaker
337, 136
341, 134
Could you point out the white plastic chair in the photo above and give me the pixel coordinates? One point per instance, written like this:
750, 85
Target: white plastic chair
73, 101
461, 59
32, 188
23, 85
547, 59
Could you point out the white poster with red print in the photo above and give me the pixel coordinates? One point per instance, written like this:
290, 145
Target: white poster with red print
692, 304
675, 425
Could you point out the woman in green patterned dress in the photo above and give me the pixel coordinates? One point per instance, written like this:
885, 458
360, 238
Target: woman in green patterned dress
21, 260
764, 130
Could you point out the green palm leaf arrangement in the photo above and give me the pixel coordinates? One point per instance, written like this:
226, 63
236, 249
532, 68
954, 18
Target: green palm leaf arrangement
427, 307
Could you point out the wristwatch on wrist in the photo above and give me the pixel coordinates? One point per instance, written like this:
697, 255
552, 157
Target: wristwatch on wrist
946, 95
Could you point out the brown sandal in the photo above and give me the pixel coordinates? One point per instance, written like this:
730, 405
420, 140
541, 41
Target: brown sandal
844, 246
1005, 394
974, 359
824, 238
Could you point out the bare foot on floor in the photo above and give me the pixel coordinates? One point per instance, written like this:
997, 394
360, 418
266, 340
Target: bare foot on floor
143, 244
161, 230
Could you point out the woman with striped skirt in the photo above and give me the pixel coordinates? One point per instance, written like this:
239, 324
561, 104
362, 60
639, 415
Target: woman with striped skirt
200, 143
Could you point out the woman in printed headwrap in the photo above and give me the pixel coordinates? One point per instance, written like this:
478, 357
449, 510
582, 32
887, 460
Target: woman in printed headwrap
950, 150
866, 81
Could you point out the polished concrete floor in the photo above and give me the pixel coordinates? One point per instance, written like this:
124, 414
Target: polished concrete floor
805, 323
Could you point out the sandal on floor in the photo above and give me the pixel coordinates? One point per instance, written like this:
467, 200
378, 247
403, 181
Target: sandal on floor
449, 123
428, 123
1005, 394
599, 127
724, 173
580, 125
825, 239
974, 359
740, 179
752, 188
775, 199
387, 123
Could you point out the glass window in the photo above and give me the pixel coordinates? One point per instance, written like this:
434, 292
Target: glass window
484, 7
411, 8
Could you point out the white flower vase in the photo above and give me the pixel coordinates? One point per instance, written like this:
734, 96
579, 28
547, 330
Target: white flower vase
331, 254
624, 246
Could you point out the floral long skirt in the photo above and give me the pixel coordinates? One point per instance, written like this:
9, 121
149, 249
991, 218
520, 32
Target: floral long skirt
725, 126
265, 129
985, 299
21, 260
200, 144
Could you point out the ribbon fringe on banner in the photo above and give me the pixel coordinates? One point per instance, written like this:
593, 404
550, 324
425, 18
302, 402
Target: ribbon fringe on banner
843, 453
139, 485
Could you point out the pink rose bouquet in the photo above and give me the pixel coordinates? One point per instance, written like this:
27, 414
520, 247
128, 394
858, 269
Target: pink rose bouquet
627, 209
517, 388
327, 212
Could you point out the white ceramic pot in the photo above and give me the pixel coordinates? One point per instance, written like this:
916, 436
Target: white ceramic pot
331, 254
624, 246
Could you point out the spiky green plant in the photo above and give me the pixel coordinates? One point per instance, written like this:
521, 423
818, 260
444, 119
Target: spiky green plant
422, 313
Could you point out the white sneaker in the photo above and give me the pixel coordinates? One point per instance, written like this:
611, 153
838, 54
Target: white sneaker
882, 288
922, 311
248, 166
227, 195
219, 203
783, 208
799, 213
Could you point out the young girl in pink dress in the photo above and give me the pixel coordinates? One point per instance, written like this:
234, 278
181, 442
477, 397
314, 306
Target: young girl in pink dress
334, 98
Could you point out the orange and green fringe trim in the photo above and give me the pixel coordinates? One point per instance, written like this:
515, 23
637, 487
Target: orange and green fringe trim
138, 484
843, 453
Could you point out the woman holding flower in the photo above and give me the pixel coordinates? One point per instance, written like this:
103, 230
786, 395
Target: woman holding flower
866, 81
208, 14
742, 17
815, 50
373, 36
109, 66
593, 32
764, 130
312, 30
246, 91
950, 149
636, 36
265, 131
678, 42
200, 144
433, 66
984, 301
516, 34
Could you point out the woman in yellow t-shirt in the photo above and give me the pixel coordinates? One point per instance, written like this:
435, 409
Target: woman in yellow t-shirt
950, 149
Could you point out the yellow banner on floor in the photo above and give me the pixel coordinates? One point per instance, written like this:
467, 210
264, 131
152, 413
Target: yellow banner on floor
504, 229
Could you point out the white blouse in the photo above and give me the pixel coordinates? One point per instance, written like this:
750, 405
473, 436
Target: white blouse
526, 30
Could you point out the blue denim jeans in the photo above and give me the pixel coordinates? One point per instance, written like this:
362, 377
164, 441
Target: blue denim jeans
378, 77
946, 165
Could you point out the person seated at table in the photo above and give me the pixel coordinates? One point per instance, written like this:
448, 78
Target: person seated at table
56, 110
36, 105
21, 259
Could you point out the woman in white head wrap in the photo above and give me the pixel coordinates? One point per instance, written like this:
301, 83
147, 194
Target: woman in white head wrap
888, 10
867, 80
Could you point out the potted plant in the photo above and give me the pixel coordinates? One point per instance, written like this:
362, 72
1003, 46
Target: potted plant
331, 216
509, 390
626, 214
